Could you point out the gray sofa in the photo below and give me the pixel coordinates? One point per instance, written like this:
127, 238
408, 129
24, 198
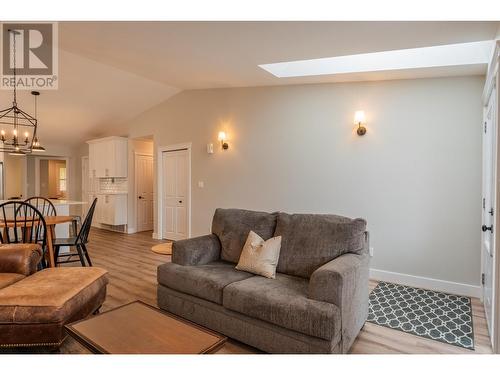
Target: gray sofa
317, 304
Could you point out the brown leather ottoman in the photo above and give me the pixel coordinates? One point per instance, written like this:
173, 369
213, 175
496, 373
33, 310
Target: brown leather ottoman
34, 310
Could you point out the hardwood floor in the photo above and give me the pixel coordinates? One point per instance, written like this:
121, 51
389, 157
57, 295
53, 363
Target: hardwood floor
132, 274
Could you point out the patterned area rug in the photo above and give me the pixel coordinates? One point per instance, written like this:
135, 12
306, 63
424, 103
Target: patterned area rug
434, 315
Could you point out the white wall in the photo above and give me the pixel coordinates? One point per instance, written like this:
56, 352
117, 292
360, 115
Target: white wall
14, 176
415, 176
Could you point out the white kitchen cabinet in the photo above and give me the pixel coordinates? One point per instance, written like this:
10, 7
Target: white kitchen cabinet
97, 155
111, 209
108, 157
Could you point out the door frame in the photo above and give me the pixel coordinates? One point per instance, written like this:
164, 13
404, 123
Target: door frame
136, 154
84, 158
37, 173
84, 195
496, 261
25, 182
2, 179
492, 82
159, 194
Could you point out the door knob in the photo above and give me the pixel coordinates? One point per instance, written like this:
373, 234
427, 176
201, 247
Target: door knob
141, 197
484, 228
180, 201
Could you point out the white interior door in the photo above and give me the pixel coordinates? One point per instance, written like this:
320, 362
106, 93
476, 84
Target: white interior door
175, 194
144, 192
488, 212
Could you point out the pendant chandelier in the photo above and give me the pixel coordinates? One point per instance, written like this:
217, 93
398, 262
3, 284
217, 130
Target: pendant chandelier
18, 129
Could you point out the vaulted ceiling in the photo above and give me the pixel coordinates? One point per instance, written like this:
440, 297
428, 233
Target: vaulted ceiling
110, 72
195, 55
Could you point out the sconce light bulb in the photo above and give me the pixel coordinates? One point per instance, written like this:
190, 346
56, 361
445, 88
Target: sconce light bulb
359, 120
222, 136
359, 117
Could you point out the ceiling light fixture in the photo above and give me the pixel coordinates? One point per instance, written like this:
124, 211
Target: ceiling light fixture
36, 143
18, 120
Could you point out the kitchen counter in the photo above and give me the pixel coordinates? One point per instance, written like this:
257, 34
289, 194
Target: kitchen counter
65, 202
111, 193
55, 202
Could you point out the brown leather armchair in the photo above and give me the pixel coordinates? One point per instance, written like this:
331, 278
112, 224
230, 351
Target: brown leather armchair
35, 306
20, 259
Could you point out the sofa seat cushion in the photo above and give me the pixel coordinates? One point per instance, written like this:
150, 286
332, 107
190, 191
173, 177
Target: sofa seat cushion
7, 279
52, 295
310, 241
233, 225
283, 301
204, 281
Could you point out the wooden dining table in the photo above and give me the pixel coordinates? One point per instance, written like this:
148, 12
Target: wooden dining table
50, 222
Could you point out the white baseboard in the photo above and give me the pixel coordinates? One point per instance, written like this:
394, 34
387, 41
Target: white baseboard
156, 236
427, 283
108, 227
131, 230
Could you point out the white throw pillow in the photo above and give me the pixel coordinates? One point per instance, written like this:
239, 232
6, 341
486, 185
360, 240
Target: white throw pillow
260, 257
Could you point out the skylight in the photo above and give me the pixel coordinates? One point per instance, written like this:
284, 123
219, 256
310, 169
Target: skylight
413, 58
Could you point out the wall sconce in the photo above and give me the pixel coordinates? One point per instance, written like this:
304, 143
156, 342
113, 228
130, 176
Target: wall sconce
359, 119
222, 138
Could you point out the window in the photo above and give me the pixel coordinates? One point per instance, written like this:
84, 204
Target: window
62, 179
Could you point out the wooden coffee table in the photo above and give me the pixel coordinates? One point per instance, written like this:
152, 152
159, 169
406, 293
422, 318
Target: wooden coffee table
138, 328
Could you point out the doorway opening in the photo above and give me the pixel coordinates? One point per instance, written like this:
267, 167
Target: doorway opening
52, 178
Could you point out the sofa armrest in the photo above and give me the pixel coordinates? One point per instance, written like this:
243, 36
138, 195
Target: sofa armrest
20, 258
344, 283
196, 251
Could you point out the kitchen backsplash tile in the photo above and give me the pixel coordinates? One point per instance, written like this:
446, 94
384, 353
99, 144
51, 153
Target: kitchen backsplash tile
113, 185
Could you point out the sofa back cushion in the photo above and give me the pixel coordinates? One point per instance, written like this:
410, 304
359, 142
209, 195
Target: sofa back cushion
309, 241
233, 225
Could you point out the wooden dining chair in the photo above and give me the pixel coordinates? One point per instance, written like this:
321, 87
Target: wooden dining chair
79, 242
21, 222
45, 206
